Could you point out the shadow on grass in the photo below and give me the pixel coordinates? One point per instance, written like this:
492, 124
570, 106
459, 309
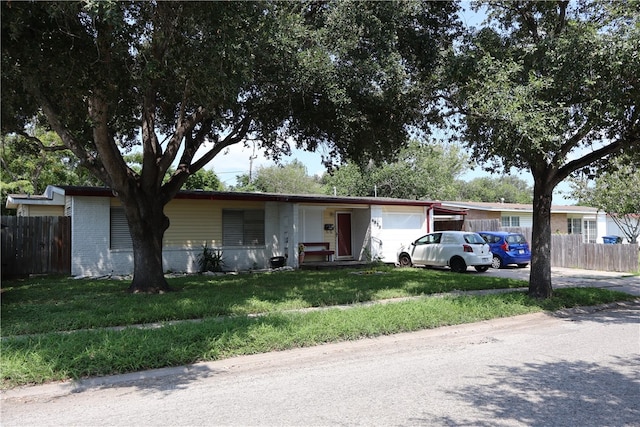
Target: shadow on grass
82, 354
44, 305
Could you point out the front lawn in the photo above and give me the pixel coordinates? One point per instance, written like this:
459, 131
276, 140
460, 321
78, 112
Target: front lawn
43, 307
40, 305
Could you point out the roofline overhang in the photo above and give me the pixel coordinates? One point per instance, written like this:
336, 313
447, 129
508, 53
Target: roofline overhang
266, 197
529, 209
48, 198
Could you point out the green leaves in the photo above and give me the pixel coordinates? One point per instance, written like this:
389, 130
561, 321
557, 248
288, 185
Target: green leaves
545, 83
421, 171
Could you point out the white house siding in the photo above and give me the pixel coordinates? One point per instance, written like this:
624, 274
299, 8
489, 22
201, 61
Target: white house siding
526, 220
311, 223
90, 253
393, 226
361, 234
280, 241
612, 229
601, 226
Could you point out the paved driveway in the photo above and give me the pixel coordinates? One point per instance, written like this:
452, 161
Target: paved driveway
574, 277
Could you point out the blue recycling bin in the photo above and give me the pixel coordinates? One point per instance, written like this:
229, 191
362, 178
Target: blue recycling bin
611, 240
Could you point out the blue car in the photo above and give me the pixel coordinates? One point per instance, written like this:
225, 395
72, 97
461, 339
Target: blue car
507, 248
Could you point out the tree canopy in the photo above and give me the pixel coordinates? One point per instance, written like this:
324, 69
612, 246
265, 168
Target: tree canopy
420, 171
289, 178
504, 189
552, 88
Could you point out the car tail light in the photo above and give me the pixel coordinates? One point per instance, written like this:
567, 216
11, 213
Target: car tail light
505, 247
467, 248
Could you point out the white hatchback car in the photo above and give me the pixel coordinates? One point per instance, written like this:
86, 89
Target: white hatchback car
456, 249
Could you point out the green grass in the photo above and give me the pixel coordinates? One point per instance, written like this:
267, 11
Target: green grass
41, 307
46, 304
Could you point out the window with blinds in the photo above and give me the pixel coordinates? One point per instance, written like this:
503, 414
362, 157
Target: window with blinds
574, 225
511, 221
119, 236
243, 227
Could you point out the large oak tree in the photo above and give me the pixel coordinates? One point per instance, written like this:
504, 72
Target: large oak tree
184, 80
550, 87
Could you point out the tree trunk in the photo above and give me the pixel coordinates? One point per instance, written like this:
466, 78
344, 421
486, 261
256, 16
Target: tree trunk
147, 224
540, 275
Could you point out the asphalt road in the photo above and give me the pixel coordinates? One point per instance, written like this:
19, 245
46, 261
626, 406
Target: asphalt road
576, 368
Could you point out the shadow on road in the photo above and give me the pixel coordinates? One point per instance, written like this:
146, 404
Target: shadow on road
154, 381
624, 312
564, 392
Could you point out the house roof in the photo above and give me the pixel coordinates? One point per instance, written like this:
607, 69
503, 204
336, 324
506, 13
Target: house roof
517, 207
14, 200
52, 196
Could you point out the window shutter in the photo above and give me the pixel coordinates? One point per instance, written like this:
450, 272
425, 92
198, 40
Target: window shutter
232, 227
120, 238
243, 227
254, 227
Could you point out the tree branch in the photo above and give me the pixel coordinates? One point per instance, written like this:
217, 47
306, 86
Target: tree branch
109, 156
40, 144
562, 17
238, 134
573, 142
591, 157
86, 159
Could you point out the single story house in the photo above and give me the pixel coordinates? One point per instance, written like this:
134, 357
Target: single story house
249, 228
587, 221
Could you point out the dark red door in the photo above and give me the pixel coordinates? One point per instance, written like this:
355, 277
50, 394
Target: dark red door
344, 234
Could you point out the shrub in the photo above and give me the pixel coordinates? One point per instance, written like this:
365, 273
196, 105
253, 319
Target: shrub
210, 259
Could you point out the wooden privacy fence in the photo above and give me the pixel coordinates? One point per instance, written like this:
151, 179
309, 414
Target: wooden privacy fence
36, 245
567, 250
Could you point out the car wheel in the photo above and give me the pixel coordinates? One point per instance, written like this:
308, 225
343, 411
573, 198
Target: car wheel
481, 268
404, 260
522, 265
458, 265
496, 262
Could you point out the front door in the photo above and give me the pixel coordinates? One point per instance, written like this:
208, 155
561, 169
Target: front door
344, 234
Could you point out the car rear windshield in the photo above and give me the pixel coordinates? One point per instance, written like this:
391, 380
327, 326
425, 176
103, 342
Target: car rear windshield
516, 238
473, 238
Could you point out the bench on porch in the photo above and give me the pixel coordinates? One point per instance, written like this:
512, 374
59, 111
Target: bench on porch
318, 248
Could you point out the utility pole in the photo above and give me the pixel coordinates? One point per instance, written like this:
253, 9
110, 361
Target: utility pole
252, 157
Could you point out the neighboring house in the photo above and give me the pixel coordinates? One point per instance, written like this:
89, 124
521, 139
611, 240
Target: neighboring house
249, 228
613, 230
583, 220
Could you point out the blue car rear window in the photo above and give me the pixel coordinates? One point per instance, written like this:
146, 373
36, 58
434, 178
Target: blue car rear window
516, 238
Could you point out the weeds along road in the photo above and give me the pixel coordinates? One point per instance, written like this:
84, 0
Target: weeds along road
576, 368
